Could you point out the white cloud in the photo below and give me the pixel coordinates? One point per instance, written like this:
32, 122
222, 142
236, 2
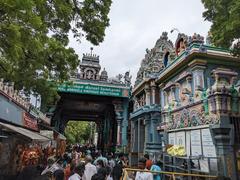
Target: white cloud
136, 25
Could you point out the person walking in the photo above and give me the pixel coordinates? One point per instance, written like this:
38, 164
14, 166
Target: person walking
90, 169
156, 167
78, 172
148, 161
143, 175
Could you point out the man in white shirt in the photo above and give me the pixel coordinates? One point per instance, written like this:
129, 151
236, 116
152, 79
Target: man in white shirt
79, 172
90, 169
143, 175
75, 176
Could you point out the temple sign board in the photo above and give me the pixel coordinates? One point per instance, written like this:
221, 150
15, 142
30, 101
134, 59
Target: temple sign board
94, 90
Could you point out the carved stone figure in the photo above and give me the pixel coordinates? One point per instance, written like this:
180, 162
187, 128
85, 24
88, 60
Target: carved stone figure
136, 105
181, 43
127, 78
89, 75
116, 80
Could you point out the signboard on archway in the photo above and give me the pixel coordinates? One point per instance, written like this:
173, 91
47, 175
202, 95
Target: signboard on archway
94, 90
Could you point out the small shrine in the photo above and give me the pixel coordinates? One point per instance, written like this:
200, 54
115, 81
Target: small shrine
188, 96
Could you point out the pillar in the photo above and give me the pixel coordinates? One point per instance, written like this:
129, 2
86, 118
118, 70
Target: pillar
154, 119
148, 95
153, 88
223, 140
146, 123
189, 88
119, 119
118, 107
136, 135
132, 136
99, 132
139, 138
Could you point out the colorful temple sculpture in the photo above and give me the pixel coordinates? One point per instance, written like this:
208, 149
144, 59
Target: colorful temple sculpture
93, 96
191, 101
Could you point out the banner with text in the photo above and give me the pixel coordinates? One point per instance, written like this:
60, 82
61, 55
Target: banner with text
94, 90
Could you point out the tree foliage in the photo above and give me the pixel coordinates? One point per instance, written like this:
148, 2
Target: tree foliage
224, 15
78, 131
34, 39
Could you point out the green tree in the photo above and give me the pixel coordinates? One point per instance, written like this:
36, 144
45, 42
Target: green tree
34, 40
78, 131
224, 15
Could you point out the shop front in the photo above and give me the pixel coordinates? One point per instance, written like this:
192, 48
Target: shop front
21, 144
19, 147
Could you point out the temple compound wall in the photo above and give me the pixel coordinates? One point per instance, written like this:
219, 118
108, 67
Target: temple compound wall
193, 101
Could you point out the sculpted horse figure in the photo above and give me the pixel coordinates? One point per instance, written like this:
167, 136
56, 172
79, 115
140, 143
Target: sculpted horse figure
117, 79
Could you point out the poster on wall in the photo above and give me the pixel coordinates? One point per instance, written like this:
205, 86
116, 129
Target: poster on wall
207, 144
209, 148
180, 138
196, 143
188, 143
171, 138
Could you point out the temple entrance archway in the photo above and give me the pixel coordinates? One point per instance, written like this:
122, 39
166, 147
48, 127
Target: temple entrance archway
94, 97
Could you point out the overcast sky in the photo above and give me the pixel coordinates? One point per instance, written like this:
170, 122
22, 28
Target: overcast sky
136, 25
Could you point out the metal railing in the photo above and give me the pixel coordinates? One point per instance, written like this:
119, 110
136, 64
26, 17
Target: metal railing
168, 175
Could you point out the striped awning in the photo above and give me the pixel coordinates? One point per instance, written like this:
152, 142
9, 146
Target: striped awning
25, 132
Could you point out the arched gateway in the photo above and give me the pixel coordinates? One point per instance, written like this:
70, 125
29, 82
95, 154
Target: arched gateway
94, 97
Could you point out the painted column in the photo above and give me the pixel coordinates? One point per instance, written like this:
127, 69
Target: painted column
125, 123
139, 139
153, 88
189, 88
154, 119
136, 135
146, 138
223, 132
173, 96
223, 140
119, 125
148, 95
118, 106
99, 133
132, 136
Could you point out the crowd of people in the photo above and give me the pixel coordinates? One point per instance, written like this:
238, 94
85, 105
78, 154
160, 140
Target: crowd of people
88, 163
77, 163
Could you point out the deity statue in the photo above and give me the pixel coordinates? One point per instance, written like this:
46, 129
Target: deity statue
119, 77
89, 75
166, 57
181, 43
127, 78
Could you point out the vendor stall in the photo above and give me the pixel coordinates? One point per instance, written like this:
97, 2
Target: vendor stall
19, 147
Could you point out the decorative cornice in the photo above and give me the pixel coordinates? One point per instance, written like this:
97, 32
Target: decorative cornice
185, 74
197, 62
186, 57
